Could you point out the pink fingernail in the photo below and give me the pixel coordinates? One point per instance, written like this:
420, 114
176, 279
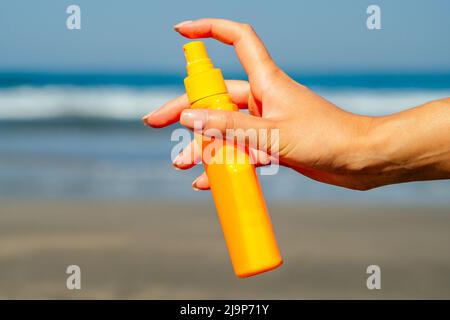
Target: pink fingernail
177, 162
179, 25
145, 118
194, 185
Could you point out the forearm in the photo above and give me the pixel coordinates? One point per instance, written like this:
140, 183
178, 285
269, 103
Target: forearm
412, 145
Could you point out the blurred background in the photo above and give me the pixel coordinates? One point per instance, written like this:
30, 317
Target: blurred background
83, 182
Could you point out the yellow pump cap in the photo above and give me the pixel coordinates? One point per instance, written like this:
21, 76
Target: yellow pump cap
203, 79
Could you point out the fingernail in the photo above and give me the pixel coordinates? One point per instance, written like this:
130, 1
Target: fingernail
178, 25
175, 167
194, 185
145, 118
176, 162
193, 119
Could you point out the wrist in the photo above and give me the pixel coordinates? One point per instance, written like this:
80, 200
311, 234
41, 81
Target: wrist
384, 153
366, 155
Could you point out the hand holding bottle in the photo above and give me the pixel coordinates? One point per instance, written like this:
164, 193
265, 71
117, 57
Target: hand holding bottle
316, 138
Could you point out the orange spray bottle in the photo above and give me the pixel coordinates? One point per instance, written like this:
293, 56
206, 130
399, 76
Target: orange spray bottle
234, 184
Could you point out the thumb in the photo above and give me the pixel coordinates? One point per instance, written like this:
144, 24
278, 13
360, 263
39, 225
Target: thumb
255, 131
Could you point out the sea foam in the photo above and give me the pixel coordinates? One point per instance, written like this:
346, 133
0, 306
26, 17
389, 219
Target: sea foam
125, 103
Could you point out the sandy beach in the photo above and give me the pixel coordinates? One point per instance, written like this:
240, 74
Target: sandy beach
149, 250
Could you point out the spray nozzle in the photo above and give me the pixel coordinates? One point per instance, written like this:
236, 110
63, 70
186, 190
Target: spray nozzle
196, 57
203, 79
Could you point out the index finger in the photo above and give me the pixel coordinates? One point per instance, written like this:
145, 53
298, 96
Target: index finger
250, 50
170, 112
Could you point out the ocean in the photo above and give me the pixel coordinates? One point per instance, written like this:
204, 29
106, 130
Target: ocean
80, 136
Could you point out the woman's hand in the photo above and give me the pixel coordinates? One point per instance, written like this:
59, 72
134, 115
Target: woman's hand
316, 138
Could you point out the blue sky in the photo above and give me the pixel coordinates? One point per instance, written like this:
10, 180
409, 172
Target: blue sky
309, 36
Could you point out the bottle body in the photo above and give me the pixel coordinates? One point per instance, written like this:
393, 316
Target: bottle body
239, 200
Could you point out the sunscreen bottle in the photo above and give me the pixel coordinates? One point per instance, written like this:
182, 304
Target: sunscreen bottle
234, 184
